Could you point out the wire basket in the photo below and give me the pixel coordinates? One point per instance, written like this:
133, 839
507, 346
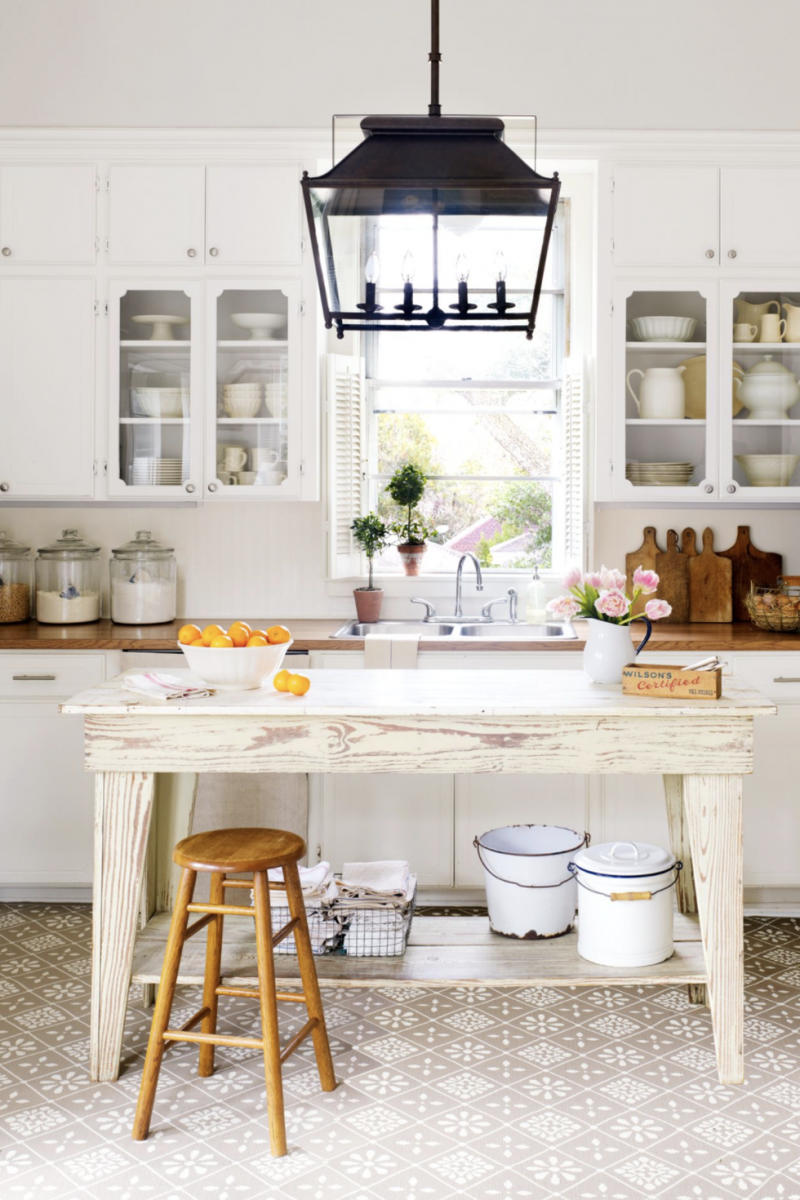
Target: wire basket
351, 928
774, 609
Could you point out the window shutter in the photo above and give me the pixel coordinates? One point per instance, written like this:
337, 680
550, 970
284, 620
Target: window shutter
346, 462
574, 461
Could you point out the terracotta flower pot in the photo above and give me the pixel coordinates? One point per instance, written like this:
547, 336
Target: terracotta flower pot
411, 557
368, 604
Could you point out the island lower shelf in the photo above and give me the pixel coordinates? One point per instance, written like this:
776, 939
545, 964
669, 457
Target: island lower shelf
442, 952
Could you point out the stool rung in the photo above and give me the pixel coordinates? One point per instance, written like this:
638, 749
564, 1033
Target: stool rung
250, 993
248, 883
301, 1035
222, 910
213, 1039
191, 930
195, 1020
285, 931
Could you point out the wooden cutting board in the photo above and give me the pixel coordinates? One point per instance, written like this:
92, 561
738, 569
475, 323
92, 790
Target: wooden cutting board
673, 580
689, 543
710, 580
760, 568
645, 557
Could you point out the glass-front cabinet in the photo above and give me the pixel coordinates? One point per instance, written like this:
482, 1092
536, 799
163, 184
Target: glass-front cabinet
253, 389
155, 430
665, 389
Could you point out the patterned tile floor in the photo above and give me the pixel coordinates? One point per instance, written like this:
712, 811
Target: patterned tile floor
452, 1094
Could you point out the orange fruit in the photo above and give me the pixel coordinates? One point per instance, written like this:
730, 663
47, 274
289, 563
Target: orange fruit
240, 625
299, 684
281, 681
278, 634
257, 640
239, 635
222, 642
188, 634
211, 631
259, 633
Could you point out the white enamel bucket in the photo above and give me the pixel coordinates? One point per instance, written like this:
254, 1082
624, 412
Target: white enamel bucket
625, 903
529, 889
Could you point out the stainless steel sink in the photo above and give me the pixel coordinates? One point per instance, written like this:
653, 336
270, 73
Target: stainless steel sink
497, 631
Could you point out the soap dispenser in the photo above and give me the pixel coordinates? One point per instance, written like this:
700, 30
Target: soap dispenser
535, 601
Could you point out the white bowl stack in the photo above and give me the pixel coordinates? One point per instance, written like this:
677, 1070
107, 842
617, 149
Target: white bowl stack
242, 399
161, 401
659, 474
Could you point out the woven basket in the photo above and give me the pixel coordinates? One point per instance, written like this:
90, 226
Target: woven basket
771, 608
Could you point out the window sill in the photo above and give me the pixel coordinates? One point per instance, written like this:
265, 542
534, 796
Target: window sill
434, 587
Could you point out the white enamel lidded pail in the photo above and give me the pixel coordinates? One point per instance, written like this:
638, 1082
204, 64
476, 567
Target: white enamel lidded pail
625, 903
529, 890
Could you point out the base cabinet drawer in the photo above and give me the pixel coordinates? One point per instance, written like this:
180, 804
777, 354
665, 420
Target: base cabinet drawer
38, 673
774, 675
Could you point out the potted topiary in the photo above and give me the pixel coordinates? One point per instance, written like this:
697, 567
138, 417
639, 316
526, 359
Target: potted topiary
406, 488
372, 535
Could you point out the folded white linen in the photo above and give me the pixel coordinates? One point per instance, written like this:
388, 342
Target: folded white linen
157, 686
375, 933
324, 930
405, 647
388, 877
396, 652
312, 879
377, 652
366, 898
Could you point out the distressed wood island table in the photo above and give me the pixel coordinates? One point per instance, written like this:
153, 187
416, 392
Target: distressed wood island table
147, 754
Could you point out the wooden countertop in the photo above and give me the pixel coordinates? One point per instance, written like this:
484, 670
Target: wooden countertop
315, 635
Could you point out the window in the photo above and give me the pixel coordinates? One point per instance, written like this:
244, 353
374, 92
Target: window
493, 420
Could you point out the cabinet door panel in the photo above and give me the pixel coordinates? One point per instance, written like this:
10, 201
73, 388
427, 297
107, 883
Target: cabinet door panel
666, 216
254, 215
47, 213
46, 387
771, 830
156, 214
390, 816
759, 216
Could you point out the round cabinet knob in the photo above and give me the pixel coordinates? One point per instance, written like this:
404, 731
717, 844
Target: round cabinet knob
709, 488
189, 487
6, 251
731, 488
213, 252
192, 253
731, 254
3, 487
212, 487
709, 253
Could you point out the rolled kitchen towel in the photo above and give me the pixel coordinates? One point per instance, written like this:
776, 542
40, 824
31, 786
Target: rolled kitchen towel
157, 686
386, 878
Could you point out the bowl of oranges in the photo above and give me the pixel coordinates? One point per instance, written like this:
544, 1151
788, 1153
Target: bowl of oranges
240, 658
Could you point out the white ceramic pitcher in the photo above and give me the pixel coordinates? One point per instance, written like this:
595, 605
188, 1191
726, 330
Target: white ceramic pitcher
792, 333
662, 396
608, 649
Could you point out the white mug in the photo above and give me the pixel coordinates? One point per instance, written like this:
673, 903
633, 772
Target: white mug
234, 458
262, 456
772, 328
247, 478
227, 478
745, 333
270, 476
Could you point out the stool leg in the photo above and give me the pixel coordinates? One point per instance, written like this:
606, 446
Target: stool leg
269, 1016
308, 974
211, 983
166, 992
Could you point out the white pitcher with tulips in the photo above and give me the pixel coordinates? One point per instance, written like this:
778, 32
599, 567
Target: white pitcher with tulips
600, 599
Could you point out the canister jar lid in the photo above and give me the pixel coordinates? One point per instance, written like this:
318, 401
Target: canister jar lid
69, 546
144, 545
624, 859
11, 549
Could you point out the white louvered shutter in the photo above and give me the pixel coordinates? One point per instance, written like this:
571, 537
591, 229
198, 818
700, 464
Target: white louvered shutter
346, 462
574, 460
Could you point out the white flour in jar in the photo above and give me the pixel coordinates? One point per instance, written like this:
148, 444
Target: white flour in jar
142, 602
55, 608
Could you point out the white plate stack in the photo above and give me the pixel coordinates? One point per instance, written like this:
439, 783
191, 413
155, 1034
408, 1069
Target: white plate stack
157, 472
659, 474
241, 399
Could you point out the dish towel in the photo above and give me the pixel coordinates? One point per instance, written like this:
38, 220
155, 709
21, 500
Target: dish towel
385, 878
376, 933
156, 686
398, 652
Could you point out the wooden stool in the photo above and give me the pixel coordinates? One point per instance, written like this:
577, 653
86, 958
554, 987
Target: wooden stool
223, 852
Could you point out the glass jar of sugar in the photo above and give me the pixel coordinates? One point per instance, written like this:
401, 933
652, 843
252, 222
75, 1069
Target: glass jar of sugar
68, 581
16, 581
143, 582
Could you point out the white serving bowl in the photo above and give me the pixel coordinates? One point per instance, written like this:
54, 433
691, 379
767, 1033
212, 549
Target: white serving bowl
261, 325
161, 402
663, 329
768, 470
239, 669
242, 406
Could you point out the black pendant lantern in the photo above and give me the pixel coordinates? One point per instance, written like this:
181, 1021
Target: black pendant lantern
443, 213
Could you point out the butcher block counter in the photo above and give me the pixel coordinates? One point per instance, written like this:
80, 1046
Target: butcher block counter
471, 721
316, 635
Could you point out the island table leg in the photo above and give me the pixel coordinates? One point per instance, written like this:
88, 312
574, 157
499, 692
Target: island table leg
713, 806
123, 808
679, 841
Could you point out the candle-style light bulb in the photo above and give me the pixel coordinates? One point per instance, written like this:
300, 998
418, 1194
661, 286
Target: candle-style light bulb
462, 268
500, 266
407, 269
372, 271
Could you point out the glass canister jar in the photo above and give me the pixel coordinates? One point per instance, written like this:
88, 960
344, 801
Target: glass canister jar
68, 581
16, 581
143, 582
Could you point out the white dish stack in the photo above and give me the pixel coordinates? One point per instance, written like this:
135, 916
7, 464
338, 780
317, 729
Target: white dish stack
157, 472
659, 474
242, 399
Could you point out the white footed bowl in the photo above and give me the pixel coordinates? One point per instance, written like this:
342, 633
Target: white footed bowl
240, 669
260, 325
663, 329
242, 406
768, 470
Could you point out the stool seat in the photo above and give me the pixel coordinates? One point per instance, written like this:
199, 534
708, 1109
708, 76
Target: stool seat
232, 851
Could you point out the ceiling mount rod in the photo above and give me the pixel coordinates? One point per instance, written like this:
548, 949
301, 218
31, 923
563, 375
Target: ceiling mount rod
434, 108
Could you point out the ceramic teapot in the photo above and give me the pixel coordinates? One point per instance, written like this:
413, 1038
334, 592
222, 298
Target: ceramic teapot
662, 396
792, 333
768, 390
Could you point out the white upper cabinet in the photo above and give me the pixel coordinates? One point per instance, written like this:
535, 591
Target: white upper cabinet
254, 215
760, 226
667, 216
47, 214
46, 387
156, 214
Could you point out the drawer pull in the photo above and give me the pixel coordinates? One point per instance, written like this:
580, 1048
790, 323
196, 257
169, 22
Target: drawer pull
787, 679
37, 678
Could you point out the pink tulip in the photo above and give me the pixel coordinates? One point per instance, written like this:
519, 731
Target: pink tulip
612, 603
611, 579
656, 609
594, 579
647, 581
563, 607
572, 579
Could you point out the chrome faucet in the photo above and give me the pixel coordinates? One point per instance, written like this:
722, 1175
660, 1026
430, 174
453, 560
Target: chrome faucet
511, 600
479, 579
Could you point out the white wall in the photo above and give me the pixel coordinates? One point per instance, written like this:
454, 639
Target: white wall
686, 64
